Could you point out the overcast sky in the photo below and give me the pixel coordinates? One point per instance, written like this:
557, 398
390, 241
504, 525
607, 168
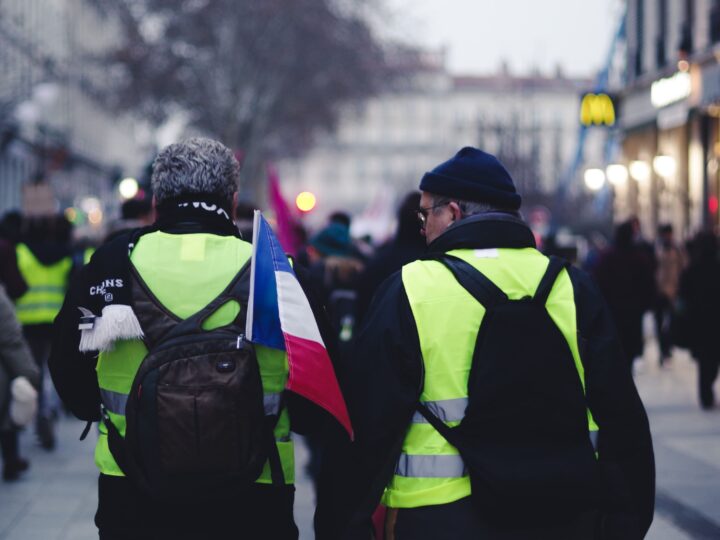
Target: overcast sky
480, 34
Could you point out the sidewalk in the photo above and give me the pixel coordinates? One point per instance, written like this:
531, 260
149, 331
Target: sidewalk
687, 449
56, 500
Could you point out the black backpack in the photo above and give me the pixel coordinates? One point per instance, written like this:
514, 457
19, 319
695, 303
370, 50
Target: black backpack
524, 437
196, 422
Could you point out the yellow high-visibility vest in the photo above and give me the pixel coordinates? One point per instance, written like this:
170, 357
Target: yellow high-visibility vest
185, 272
430, 470
46, 287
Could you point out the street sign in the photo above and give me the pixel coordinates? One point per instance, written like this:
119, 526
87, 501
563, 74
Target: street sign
597, 110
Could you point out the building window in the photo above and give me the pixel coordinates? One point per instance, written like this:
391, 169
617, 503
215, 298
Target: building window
660, 45
639, 36
715, 22
685, 47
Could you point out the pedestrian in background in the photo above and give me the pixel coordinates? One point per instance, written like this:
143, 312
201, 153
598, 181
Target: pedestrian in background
698, 306
405, 246
134, 213
16, 362
45, 260
10, 276
488, 390
333, 272
670, 262
625, 276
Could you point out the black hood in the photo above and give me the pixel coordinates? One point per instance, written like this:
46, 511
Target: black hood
485, 231
48, 253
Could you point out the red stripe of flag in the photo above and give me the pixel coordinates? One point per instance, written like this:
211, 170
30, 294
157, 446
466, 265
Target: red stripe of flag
314, 377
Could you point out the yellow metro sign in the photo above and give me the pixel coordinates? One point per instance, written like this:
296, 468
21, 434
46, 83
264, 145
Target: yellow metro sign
597, 110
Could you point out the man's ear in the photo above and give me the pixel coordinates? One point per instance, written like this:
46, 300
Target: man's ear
456, 212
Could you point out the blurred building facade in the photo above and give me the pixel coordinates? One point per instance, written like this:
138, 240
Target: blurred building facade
51, 129
383, 146
670, 114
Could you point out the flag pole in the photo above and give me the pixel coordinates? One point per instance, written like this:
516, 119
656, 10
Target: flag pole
251, 296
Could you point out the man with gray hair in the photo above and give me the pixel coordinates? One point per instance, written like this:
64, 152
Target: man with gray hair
192, 461
488, 392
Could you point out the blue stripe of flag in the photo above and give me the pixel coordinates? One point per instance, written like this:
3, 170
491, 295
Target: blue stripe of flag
269, 257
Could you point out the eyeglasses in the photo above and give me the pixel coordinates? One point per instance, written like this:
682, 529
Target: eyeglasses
422, 213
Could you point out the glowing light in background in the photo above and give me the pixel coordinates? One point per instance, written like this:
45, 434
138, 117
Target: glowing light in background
617, 174
71, 214
95, 216
305, 201
713, 204
594, 179
89, 203
128, 188
665, 166
640, 171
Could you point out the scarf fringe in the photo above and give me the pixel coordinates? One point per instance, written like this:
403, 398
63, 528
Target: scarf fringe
117, 322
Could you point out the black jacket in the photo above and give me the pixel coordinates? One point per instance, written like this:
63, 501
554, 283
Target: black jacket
384, 380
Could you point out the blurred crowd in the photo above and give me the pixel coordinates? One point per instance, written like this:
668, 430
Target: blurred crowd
675, 282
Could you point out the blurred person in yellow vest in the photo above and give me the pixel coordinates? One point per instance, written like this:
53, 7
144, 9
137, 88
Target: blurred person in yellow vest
488, 391
45, 262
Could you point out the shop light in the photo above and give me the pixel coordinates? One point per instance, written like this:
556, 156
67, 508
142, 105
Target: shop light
617, 174
640, 171
594, 179
671, 89
664, 166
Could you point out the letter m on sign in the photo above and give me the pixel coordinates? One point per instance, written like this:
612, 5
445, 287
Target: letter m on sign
597, 110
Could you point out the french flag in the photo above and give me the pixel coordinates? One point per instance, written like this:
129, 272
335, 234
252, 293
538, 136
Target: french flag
279, 316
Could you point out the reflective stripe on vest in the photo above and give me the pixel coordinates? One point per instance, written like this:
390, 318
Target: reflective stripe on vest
432, 466
115, 402
46, 287
447, 410
271, 403
430, 471
220, 257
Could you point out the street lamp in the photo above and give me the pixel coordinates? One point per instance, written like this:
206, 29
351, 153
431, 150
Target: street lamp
664, 166
617, 174
594, 179
640, 171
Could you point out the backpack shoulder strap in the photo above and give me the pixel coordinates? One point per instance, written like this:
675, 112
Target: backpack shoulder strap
475, 282
555, 266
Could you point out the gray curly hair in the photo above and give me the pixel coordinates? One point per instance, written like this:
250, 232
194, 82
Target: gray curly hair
195, 166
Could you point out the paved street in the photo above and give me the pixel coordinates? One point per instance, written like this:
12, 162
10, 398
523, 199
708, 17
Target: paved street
57, 499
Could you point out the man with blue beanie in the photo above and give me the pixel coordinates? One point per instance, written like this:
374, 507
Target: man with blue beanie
487, 389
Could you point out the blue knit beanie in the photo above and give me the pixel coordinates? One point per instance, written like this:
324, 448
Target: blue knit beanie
473, 175
333, 240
